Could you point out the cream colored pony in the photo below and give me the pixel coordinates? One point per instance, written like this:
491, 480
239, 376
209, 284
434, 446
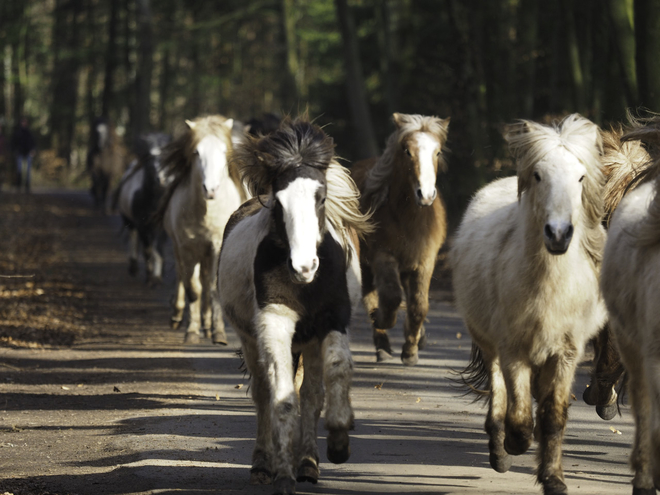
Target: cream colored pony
525, 273
205, 191
630, 282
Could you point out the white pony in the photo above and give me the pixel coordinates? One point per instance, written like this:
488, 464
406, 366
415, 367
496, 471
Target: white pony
525, 273
289, 278
205, 191
630, 281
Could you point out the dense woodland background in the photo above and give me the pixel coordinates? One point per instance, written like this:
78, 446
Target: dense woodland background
150, 64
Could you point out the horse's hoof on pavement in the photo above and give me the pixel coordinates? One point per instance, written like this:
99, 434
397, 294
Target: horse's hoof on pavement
132, 267
220, 337
587, 397
284, 486
410, 357
607, 412
260, 476
554, 486
339, 449
423, 340
192, 338
500, 463
382, 355
308, 471
643, 491
517, 442
175, 324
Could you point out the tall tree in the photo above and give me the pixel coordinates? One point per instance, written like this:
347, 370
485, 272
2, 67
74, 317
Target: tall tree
144, 68
357, 97
110, 60
647, 39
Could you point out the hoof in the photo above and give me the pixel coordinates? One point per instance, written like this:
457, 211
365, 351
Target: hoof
382, 355
384, 321
423, 340
339, 449
643, 491
208, 333
587, 397
284, 486
132, 267
517, 442
554, 486
607, 412
500, 463
220, 337
175, 324
191, 338
410, 356
260, 476
308, 471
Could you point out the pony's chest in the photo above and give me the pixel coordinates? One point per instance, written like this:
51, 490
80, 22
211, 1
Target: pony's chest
322, 305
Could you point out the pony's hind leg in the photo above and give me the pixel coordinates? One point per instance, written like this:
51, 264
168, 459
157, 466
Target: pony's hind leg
605, 374
499, 459
133, 251
276, 326
261, 471
193, 288
337, 374
388, 285
179, 302
416, 284
219, 335
205, 276
553, 387
311, 403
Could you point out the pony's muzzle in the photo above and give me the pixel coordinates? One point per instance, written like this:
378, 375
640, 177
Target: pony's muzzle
557, 236
210, 193
425, 199
303, 273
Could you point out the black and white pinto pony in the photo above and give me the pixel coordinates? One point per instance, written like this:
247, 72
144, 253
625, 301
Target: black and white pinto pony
204, 192
630, 281
525, 271
289, 278
137, 198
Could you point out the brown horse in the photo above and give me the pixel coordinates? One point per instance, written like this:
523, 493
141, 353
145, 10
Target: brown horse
400, 189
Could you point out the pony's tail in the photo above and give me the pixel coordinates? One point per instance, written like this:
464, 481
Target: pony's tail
475, 378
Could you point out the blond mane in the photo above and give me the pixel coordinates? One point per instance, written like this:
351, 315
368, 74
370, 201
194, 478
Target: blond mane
376, 186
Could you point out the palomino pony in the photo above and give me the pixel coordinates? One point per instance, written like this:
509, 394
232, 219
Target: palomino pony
137, 198
400, 189
623, 163
630, 281
106, 160
525, 272
204, 192
289, 278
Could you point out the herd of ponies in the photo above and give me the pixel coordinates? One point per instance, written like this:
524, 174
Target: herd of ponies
273, 235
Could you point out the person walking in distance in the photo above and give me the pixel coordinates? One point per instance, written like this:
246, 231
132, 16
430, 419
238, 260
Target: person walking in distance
23, 146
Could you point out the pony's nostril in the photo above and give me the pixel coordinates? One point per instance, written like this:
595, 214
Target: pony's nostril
435, 193
548, 231
569, 232
419, 193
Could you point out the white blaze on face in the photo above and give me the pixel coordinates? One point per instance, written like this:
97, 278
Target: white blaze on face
427, 148
212, 156
298, 202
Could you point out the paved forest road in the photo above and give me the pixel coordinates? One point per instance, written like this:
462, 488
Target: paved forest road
128, 409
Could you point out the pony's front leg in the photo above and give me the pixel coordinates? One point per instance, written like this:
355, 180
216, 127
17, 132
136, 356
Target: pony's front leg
337, 374
219, 334
519, 422
133, 251
553, 386
311, 403
179, 303
206, 277
193, 288
606, 372
370, 301
416, 284
276, 325
499, 459
261, 471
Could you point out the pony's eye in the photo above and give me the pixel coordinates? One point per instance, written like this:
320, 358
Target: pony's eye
537, 177
323, 200
581, 178
407, 151
437, 154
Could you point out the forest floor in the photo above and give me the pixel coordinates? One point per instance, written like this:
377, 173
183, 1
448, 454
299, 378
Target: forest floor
99, 396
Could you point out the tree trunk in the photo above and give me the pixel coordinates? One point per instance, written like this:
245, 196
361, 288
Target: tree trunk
110, 60
647, 37
357, 98
292, 84
574, 57
144, 69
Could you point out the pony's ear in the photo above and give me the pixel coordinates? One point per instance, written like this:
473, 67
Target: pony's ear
229, 123
400, 119
444, 122
190, 124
